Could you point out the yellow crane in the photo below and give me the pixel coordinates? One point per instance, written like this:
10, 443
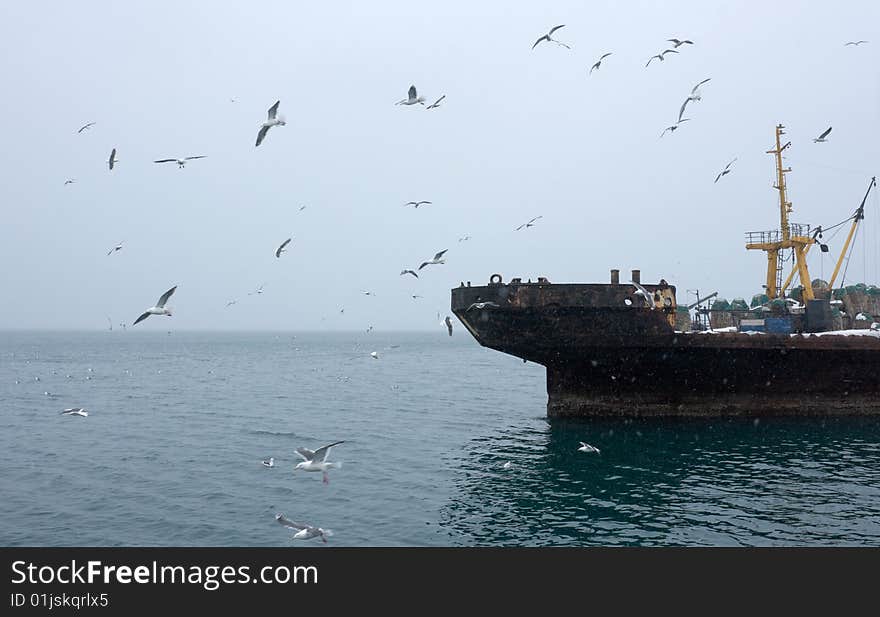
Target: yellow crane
789, 236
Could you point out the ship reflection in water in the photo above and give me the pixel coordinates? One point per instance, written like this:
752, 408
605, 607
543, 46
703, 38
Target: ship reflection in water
662, 482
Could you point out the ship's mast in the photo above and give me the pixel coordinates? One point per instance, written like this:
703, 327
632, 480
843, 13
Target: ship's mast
789, 236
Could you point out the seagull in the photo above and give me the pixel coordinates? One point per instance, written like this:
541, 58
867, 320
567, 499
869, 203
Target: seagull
507, 465
724, 171
273, 120
673, 127
111, 323
416, 203
317, 460
301, 208
856, 43
230, 303
463, 238
436, 103
676, 43
413, 272
585, 447
438, 259
822, 138
599, 62
417, 297
70, 181
159, 309
91, 124
661, 54
270, 462
258, 290
448, 322
304, 532
367, 293
75, 411
644, 293
282, 249
548, 37
112, 160
412, 98
118, 247
529, 224
482, 305
695, 95
181, 163
374, 355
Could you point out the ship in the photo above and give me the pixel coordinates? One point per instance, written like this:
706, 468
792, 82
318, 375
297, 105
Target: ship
628, 348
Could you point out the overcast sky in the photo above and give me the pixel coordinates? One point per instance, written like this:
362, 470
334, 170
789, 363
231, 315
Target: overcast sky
521, 133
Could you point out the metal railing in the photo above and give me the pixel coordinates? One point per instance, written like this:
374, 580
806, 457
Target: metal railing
775, 235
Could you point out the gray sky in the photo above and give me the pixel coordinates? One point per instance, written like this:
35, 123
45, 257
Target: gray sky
521, 133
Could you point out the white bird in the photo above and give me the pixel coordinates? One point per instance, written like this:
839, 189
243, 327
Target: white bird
367, 293
530, 223
416, 203
273, 120
482, 305
507, 465
270, 462
118, 247
672, 128
304, 532
159, 309
316, 460
112, 160
413, 272
448, 322
374, 355
549, 37
231, 302
856, 43
75, 411
69, 181
724, 171
463, 238
677, 43
822, 138
661, 54
181, 163
695, 95
585, 447
438, 259
599, 62
436, 103
412, 98
91, 124
110, 321
282, 248
258, 290
644, 293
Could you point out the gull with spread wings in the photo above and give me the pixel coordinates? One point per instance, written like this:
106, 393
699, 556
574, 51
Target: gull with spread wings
549, 38
316, 460
159, 309
273, 119
695, 95
598, 63
181, 163
412, 98
438, 259
303, 531
531, 223
282, 248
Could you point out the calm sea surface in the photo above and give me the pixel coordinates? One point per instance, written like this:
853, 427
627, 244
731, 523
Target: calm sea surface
170, 453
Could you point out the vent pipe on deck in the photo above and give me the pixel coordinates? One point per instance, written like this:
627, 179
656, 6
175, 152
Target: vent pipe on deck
636, 276
615, 277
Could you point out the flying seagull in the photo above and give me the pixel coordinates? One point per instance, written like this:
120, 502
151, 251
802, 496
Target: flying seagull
111, 324
70, 181
118, 247
677, 43
436, 103
270, 462
181, 163
413, 272
549, 37
159, 309
661, 54
416, 203
672, 128
412, 98
530, 223
644, 293
482, 305
282, 248
374, 355
856, 43
585, 447
91, 124
317, 460
463, 238
599, 62
724, 171
438, 259
112, 160
448, 322
821, 138
75, 411
695, 95
273, 120
303, 531
258, 290
231, 302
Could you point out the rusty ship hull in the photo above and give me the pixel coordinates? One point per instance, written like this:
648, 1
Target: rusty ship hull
607, 353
